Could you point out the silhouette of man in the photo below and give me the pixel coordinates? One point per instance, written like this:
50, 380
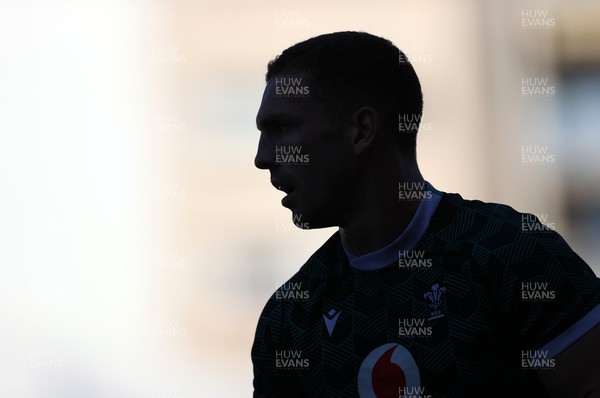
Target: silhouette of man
420, 293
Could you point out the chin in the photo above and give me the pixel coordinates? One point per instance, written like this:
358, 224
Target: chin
308, 220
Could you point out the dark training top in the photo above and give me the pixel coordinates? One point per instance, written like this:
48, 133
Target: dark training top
470, 300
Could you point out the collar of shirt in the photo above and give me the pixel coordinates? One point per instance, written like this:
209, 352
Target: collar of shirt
405, 242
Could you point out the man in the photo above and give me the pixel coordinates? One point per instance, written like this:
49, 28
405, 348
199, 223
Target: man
420, 293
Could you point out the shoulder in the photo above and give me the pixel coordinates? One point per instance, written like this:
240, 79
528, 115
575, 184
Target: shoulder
496, 236
300, 288
492, 224
474, 214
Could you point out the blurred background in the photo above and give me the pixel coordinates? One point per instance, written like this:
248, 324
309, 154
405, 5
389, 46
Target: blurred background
140, 244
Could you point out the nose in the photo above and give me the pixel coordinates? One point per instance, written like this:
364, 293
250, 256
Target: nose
263, 159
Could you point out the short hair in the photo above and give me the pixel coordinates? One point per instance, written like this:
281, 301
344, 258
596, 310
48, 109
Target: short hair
348, 70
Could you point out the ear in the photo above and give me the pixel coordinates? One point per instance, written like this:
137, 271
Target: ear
365, 125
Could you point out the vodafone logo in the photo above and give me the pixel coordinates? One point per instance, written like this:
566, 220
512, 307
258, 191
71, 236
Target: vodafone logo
388, 371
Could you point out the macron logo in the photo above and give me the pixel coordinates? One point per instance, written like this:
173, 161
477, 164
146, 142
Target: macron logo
331, 318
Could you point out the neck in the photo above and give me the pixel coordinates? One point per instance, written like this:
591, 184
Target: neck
380, 216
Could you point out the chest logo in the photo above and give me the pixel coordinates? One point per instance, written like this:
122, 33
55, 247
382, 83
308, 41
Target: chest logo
389, 371
331, 318
436, 299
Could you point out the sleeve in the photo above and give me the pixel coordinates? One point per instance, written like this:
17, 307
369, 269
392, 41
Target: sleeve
269, 381
548, 297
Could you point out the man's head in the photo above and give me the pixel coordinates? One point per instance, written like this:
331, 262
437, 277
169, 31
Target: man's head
329, 119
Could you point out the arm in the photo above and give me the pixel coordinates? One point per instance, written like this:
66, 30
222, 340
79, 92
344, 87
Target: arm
270, 381
577, 372
550, 298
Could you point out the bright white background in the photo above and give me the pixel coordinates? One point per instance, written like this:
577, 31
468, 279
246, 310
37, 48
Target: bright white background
139, 243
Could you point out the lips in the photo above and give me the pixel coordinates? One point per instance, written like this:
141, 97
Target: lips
282, 187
